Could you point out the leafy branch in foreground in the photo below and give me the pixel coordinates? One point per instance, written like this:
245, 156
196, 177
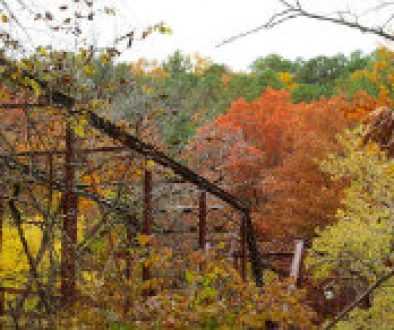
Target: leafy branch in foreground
360, 244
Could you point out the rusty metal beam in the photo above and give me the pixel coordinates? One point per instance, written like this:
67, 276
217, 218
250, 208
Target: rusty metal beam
15, 106
255, 258
235, 261
50, 197
202, 220
128, 271
150, 151
244, 253
2, 301
63, 152
69, 231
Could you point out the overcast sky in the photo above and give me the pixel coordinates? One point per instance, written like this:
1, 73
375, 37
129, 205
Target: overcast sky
198, 26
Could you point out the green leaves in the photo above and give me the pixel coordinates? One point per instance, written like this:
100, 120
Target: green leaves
189, 277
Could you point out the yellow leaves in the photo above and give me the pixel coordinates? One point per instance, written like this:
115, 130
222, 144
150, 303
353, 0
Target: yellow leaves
138, 172
110, 87
4, 96
169, 174
378, 75
287, 80
16, 74
363, 231
201, 64
109, 11
270, 277
78, 125
150, 164
385, 57
13, 261
189, 277
390, 169
144, 239
148, 90
104, 58
83, 53
33, 85
92, 183
92, 278
4, 18
43, 51
358, 74
373, 149
213, 293
285, 77
148, 263
162, 28
154, 114
89, 70
98, 104
143, 67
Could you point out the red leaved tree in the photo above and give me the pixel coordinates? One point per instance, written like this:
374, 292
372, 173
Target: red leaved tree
268, 151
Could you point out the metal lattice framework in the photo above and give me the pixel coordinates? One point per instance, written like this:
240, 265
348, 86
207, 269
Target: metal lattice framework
32, 180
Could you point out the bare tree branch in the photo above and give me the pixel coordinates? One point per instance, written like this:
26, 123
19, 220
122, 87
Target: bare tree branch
294, 10
380, 6
12, 15
32, 262
354, 304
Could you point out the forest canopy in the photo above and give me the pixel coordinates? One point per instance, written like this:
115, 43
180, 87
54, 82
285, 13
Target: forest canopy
184, 194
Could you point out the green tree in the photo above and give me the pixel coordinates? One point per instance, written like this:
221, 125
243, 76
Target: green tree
307, 93
273, 62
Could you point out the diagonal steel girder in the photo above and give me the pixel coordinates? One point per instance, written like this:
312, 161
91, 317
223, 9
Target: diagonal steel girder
134, 143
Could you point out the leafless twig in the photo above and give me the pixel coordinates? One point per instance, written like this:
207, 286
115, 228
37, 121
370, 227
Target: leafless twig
365, 294
294, 10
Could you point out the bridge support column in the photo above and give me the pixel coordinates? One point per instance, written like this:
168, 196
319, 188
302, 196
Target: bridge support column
202, 220
128, 271
50, 188
147, 213
235, 261
69, 230
244, 253
2, 295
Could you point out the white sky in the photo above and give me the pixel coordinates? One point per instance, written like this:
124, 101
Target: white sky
198, 26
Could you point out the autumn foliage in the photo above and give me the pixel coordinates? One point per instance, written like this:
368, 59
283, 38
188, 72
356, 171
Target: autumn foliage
268, 150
